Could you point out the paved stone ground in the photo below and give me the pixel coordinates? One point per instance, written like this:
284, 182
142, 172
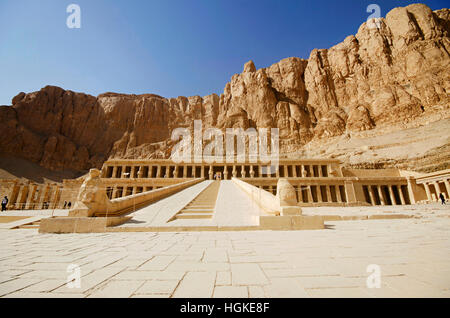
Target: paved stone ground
413, 255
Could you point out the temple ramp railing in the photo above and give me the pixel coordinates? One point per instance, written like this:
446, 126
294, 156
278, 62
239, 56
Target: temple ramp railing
93, 201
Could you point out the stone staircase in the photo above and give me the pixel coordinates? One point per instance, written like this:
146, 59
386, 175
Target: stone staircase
202, 207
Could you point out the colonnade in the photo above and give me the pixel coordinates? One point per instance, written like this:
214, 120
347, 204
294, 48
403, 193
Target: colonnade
209, 171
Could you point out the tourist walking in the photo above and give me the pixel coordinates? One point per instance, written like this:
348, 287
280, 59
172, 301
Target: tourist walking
4, 203
441, 196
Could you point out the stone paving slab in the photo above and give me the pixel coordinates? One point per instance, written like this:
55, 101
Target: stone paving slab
413, 256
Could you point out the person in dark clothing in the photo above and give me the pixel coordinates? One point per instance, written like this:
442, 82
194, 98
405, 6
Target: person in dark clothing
4, 203
69, 205
441, 196
65, 204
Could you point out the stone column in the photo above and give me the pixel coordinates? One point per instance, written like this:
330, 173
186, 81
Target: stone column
294, 171
278, 172
185, 170
303, 171
447, 186
225, 173
243, 171
319, 193
175, 172
44, 195
286, 171
299, 193
134, 191
380, 194
30, 199
23, 194
55, 198
412, 189
319, 167
158, 171
437, 189
402, 198
391, 193
372, 195
114, 172
338, 194
114, 193
234, 171
202, 172
310, 197
141, 172
427, 190
330, 199
350, 191
252, 173
211, 173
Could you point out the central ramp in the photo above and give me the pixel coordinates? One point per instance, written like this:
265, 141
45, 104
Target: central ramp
202, 207
208, 206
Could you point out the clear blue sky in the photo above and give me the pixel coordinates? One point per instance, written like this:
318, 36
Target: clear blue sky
166, 47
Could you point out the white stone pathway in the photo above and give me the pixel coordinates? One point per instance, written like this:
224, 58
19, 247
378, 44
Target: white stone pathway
412, 254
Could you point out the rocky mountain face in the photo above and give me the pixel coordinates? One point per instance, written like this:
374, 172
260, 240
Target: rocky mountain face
395, 71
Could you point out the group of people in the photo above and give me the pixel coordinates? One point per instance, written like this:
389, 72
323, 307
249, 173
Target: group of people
68, 205
45, 205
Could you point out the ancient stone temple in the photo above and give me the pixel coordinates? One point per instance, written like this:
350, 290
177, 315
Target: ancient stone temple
317, 182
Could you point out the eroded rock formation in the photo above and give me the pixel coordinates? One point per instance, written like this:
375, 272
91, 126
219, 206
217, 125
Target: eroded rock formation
388, 74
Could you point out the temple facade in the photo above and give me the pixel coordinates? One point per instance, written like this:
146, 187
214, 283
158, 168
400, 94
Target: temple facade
317, 182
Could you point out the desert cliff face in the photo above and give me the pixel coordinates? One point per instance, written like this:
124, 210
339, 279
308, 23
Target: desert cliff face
388, 77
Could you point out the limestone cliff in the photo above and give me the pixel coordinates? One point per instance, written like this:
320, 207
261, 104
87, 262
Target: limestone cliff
392, 75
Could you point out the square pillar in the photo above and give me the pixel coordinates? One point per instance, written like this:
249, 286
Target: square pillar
380, 194
428, 191
338, 193
437, 189
319, 193
114, 172
309, 192
225, 173
412, 189
330, 199
210, 173
350, 191
391, 193
402, 198
447, 186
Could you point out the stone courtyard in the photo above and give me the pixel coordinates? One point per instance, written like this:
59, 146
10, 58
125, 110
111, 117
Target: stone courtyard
413, 255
